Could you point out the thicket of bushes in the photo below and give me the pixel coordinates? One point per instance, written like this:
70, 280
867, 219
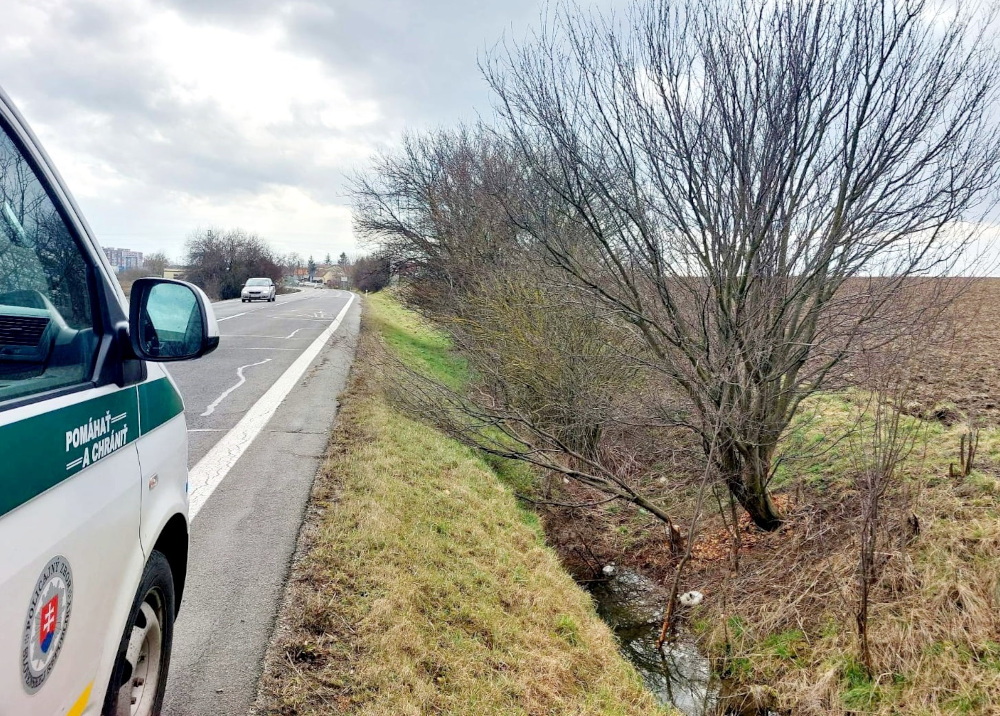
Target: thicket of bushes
220, 262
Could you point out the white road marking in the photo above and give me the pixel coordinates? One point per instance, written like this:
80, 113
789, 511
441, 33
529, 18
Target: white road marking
255, 310
252, 348
248, 335
292, 333
242, 379
212, 469
293, 318
205, 430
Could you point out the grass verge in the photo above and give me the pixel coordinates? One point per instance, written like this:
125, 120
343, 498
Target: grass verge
418, 586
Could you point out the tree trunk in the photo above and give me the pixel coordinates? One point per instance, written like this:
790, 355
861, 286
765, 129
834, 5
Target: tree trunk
747, 481
758, 503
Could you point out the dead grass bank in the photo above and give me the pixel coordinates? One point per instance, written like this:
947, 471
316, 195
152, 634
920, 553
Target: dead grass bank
784, 623
420, 587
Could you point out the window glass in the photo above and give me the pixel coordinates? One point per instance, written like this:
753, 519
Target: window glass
47, 336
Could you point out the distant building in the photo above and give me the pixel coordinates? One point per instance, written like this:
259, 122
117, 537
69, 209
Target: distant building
334, 276
302, 273
176, 272
123, 259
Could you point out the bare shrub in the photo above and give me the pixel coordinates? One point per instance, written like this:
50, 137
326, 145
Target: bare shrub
435, 210
221, 261
967, 447
554, 383
371, 272
561, 364
884, 438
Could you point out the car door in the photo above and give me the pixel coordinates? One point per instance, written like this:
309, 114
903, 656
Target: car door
70, 555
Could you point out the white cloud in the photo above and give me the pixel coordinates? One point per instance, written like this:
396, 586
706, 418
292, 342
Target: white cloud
288, 217
161, 123
166, 115
256, 83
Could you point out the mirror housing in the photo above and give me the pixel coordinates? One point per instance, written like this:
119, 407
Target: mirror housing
170, 320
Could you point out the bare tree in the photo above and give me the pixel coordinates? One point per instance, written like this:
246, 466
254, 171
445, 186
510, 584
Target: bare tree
221, 261
292, 263
154, 264
752, 182
436, 210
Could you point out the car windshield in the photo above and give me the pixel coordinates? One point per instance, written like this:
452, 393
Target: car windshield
258, 282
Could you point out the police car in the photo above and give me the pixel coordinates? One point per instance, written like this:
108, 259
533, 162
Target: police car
93, 454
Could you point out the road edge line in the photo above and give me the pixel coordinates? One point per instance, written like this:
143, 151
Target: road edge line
212, 469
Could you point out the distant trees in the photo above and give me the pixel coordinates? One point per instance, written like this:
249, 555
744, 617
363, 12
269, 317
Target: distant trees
311, 267
291, 263
155, 263
437, 209
221, 261
370, 273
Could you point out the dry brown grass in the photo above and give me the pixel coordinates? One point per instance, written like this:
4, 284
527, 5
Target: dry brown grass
420, 587
786, 619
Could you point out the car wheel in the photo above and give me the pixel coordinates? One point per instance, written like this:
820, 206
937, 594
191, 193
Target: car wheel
139, 677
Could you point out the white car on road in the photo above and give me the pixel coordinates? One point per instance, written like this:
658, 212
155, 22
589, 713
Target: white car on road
93, 490
258, 289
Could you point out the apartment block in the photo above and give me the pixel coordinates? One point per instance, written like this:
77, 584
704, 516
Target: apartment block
123, 259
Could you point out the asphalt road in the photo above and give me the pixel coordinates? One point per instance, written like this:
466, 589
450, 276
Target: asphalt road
243, 536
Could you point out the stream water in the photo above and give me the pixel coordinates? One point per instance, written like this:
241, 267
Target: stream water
679, 675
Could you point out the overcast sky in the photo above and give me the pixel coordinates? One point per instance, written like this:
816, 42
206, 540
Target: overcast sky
168, 115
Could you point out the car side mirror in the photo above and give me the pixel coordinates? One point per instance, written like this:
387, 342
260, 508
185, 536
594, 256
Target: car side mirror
170, 320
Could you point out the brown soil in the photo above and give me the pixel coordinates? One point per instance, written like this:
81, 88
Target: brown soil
959, 377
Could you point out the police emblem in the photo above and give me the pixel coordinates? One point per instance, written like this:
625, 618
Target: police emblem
45, 627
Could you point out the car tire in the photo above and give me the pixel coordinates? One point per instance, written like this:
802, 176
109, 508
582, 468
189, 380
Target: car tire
139, 677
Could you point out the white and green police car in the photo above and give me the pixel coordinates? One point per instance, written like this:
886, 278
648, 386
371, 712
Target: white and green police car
93, 455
